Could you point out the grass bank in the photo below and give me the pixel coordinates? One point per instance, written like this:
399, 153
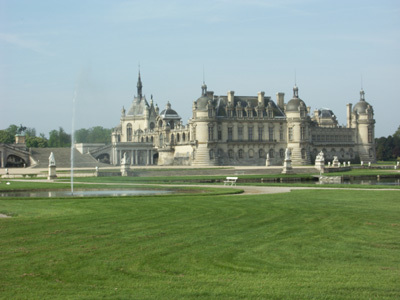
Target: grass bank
299, 245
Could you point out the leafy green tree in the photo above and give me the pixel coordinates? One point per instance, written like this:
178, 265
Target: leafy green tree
81, 135
36, 142
95, 134
30, 132
6, 137
12, 129
59, 138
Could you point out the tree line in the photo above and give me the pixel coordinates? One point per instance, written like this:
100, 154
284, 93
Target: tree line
388, 148
57, 138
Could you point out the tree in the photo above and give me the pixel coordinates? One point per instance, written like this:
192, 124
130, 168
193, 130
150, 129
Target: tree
59, 138
6, 137
95, 134
36, 142
12, 129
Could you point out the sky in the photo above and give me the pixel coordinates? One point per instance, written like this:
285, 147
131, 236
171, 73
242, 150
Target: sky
79, 59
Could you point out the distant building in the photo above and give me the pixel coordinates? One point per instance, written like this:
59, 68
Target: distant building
240, 130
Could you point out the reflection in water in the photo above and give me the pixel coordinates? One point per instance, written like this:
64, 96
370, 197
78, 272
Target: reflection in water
55, 194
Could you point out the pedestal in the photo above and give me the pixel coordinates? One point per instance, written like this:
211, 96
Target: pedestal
52, 173
125, 169
320, 165
287, 167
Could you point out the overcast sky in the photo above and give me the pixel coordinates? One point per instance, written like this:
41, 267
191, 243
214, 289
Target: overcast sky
50, 49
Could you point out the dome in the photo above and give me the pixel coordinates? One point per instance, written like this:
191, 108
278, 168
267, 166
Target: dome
294, 104
325, 113
202, 103
169, 113
362, 105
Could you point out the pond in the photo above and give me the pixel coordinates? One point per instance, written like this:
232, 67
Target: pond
92, 193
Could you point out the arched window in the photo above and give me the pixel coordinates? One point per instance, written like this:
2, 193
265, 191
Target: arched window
152, 125
129, 132
261, 153
147, 139
183, 137
161, 140
220, 152
281, 153
152, 139
172, 139
271, 153
230, 153
240, 153
303, 153
211, 154
251, 153
342, 153
142, 140
178, 138
351, 153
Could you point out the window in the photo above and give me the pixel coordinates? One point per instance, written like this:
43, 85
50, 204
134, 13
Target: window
178, 138
230, 134
261, 153
303, 153
152, 125
219, 134
240, 133
302, 133
210, 112
271, 153
230, 153
251, 153
250, 133
281, 153
240, 153
271, 134
260, 133
172, 139
370, 135
211, 154
129, 132
290, 134
183, 136
281, 133
210, 133
220, 152
351, 153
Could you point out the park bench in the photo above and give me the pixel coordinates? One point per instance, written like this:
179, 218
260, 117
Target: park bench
230, 180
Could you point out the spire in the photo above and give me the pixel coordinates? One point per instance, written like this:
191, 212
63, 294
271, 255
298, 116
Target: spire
204, 86
295, 91
362, 95
139, 86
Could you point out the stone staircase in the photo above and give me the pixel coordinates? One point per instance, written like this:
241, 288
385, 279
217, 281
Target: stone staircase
40, 158
297, 160
202, 157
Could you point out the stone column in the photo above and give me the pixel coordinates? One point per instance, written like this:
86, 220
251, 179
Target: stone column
136, 157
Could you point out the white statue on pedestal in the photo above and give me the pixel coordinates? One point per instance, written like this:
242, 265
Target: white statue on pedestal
288, 154
52, 160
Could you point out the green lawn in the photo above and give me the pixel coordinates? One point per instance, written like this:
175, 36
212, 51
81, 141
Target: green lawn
301, 245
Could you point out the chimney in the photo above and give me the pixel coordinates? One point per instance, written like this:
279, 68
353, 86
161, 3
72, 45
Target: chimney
261, 98
349, 107
280, 100
231, 95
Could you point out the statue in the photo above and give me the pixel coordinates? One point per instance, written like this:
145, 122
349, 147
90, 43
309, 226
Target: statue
124, 159
21, 129
52, 160
52, 167
288, 154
